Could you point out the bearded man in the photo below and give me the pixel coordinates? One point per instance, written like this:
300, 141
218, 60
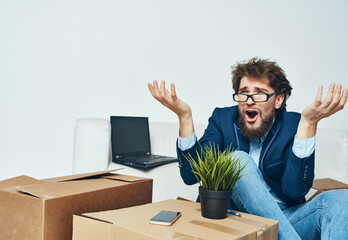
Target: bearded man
277, 145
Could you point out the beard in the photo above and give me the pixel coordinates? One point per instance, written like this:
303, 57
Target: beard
250, 133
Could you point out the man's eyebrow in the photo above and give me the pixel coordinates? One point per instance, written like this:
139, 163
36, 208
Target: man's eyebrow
262, 89
258, 89
243, 88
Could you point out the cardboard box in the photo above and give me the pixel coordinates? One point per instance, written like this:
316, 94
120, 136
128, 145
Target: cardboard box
43, 209
133, 224
324, 184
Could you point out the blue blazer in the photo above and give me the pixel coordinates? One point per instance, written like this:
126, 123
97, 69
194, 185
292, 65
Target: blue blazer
289, 176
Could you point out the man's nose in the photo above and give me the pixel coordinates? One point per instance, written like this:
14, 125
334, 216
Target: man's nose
250, 101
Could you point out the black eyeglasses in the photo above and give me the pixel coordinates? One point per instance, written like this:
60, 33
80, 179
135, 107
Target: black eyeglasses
258, 97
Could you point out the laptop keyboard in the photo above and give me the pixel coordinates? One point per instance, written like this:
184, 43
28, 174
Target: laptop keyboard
148, 158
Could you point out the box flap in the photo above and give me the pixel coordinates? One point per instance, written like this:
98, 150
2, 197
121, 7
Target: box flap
327, 184
191, 225
68, 188
78, 176
125, 178
20, 180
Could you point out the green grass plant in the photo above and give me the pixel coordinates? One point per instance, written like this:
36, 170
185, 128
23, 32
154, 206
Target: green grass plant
215, 169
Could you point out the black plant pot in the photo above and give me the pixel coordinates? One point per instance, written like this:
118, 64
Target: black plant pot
214, 204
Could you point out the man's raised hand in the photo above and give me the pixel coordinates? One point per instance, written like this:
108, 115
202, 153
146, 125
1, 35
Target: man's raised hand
334, 101
171, 101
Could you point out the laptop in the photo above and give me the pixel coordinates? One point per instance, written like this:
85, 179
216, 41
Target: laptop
130, 143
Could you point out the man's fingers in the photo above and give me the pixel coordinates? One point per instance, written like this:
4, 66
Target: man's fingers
149, 85
334, 101
163, 95
160, 93
162, 88
173, 91
340, 105
334, 104
155, 84
337, 103
337, 96
319, 94
343, 100
164, 92
328, 99
155, 89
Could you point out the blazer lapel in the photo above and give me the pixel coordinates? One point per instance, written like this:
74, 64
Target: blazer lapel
269, 140
242, 143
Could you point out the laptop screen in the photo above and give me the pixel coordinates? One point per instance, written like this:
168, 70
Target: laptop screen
129, 136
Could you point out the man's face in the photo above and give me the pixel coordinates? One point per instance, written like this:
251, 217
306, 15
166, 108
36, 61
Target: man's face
255, 119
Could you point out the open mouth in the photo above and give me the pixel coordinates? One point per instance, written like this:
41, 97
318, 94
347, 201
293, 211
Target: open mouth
251, 115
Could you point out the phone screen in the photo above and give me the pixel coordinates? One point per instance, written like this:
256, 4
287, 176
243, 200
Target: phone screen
165, 217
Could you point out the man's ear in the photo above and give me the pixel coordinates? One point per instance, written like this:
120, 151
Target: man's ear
279, 101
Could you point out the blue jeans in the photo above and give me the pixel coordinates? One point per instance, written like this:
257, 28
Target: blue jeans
324, 217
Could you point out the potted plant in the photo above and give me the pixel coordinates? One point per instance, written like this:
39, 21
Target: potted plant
217, 172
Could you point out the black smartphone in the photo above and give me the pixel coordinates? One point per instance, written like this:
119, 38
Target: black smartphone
165, 218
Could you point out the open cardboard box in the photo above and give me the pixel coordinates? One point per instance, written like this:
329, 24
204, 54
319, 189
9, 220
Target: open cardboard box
43, 209
133, 224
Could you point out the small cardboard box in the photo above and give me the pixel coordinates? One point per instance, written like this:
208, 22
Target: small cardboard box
324, 184
43, 209
133, 224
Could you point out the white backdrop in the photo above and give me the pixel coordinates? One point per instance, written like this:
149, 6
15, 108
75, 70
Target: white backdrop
69, 59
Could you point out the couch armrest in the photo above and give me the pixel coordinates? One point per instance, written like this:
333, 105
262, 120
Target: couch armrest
331, 155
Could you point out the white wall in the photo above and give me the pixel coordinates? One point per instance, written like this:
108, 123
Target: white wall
68, 59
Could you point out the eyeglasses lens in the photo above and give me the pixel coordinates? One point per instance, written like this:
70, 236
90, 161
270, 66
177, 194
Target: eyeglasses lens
260, 97
255, 97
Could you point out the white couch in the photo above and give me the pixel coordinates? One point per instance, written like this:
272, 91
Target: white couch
331, 158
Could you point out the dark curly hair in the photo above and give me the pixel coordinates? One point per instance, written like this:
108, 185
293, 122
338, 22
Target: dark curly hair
262, 68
